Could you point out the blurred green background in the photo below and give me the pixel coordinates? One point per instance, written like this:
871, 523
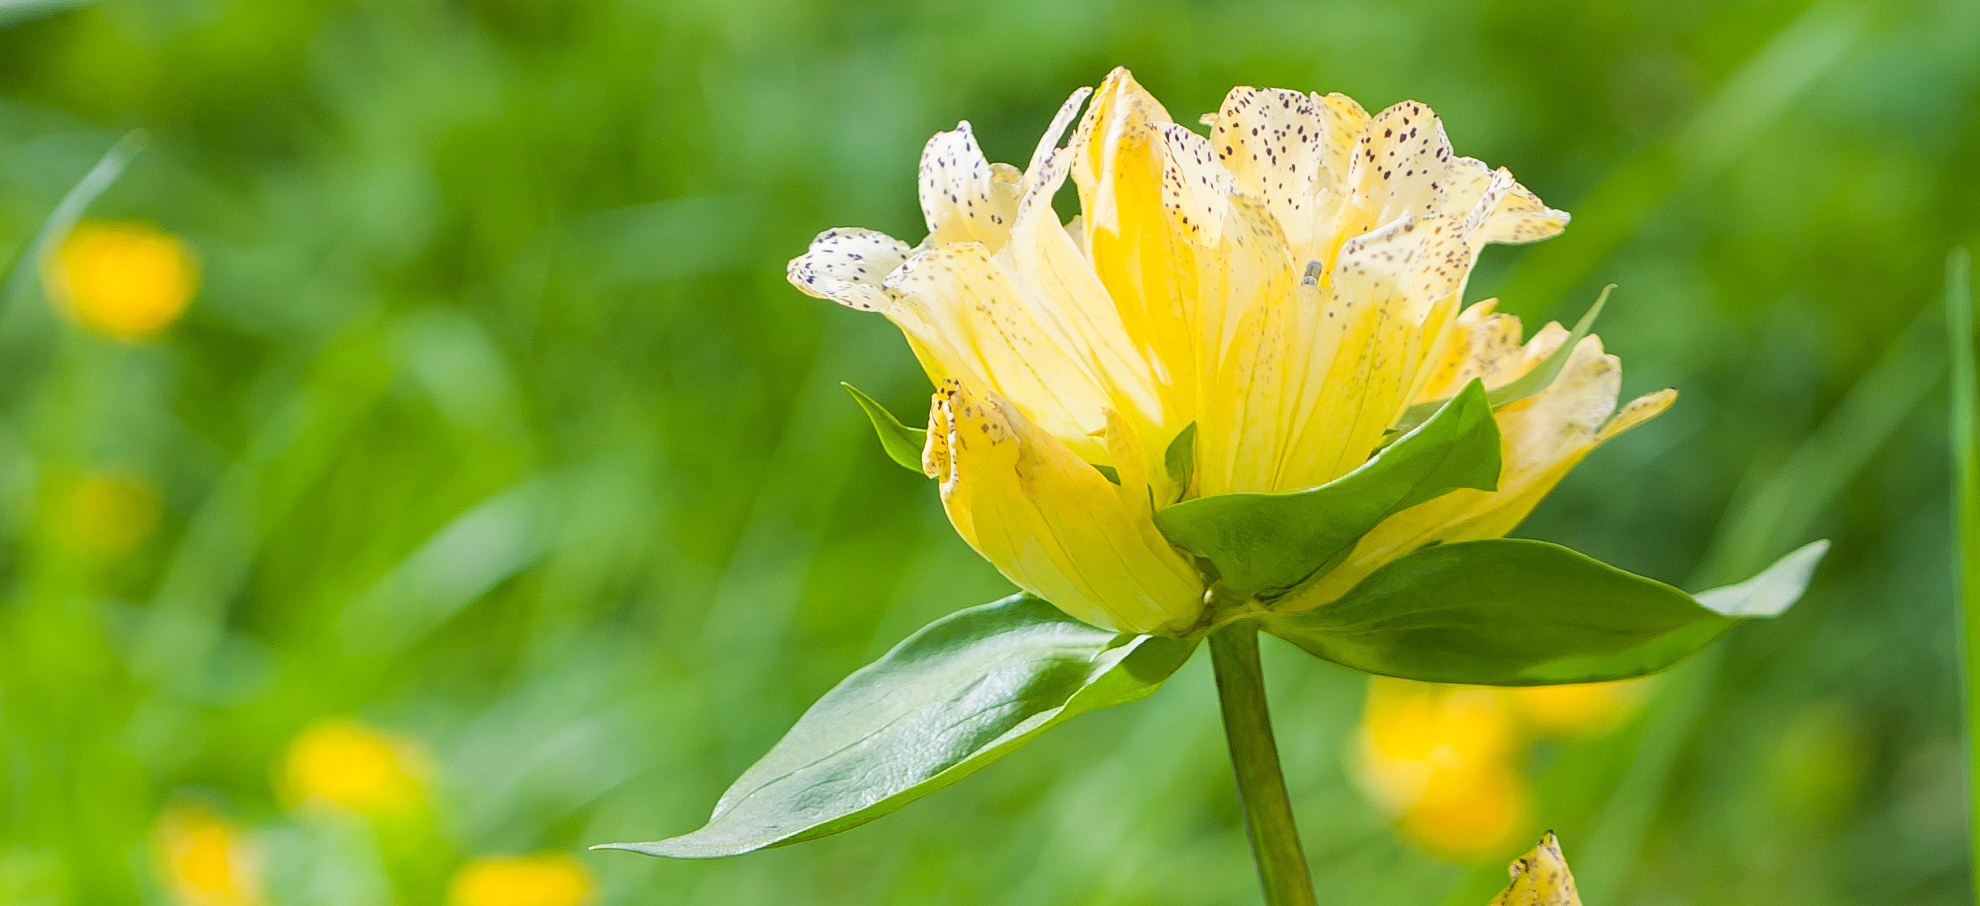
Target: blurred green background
495, 427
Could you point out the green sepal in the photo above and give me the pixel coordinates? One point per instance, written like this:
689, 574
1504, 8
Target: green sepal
1265, 544
1180, 459
902, 443
1533, 381
961, 693
1511, 612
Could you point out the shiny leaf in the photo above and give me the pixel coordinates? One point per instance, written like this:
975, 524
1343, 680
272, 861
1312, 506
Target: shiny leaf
1269, 543
1510, 612
964, 691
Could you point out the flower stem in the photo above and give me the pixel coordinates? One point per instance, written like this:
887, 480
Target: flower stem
1268, 817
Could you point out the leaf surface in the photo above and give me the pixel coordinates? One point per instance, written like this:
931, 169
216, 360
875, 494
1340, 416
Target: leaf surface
959, 694
1512, 612
1270, 543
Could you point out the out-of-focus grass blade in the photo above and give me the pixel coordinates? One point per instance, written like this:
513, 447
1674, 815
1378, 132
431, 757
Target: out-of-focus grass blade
70, 209
15, 12
1966, 516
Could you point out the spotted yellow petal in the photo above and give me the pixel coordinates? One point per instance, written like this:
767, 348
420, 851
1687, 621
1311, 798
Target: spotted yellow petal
964, 197
1049, 521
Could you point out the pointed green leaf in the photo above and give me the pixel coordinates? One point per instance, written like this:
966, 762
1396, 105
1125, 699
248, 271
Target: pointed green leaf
902, 443
1180, 458
1268, 543
1108, 472
1533, 381
964, 691
1511, 612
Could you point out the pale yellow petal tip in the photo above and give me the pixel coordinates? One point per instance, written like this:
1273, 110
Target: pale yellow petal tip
1540, 878
1639, 410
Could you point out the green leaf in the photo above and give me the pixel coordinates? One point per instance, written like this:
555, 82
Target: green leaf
1180, 458
1268, 543
1108, 472
902, 443
1530, 383
964, 691
1510, 612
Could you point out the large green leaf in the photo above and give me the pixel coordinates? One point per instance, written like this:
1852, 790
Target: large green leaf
1268, 543
1509, 612
902, 443
964, 691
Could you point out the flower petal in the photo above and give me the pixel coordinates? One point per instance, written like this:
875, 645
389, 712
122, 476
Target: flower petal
1486, 346
1144, 262
1541, 437
1518, 216
1049, 142
963, 196
1050, 522
847, 265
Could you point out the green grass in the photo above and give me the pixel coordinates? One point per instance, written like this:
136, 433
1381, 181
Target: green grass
496, 425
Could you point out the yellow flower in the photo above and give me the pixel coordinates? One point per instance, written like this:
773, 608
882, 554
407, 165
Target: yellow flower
128, 280
548, 879
1585, 709
1289, 283
109, 513
1444, 759
344, 764
204, 860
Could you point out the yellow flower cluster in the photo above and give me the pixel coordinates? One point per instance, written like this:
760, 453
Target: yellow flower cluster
1290, 283
1449, 760
344, 766
204, 859
546, 879
127, 280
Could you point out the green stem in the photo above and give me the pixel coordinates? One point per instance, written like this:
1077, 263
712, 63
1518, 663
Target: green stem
1268, 817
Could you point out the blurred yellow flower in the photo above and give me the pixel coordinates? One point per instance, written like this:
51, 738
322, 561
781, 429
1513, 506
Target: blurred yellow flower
546, 879
126, 279
345, 764
108, 513
1585, 709
1444, 759
204, 860
1290, 284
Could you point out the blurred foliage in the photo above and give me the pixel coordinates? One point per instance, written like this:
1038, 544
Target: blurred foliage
495, 443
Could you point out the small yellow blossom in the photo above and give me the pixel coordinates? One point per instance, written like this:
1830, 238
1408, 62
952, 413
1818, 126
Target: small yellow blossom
1584, 709
108, 513
204, 860
1290, 282
1472, 811
546, 879
345, 764
1443, 759
127, 279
